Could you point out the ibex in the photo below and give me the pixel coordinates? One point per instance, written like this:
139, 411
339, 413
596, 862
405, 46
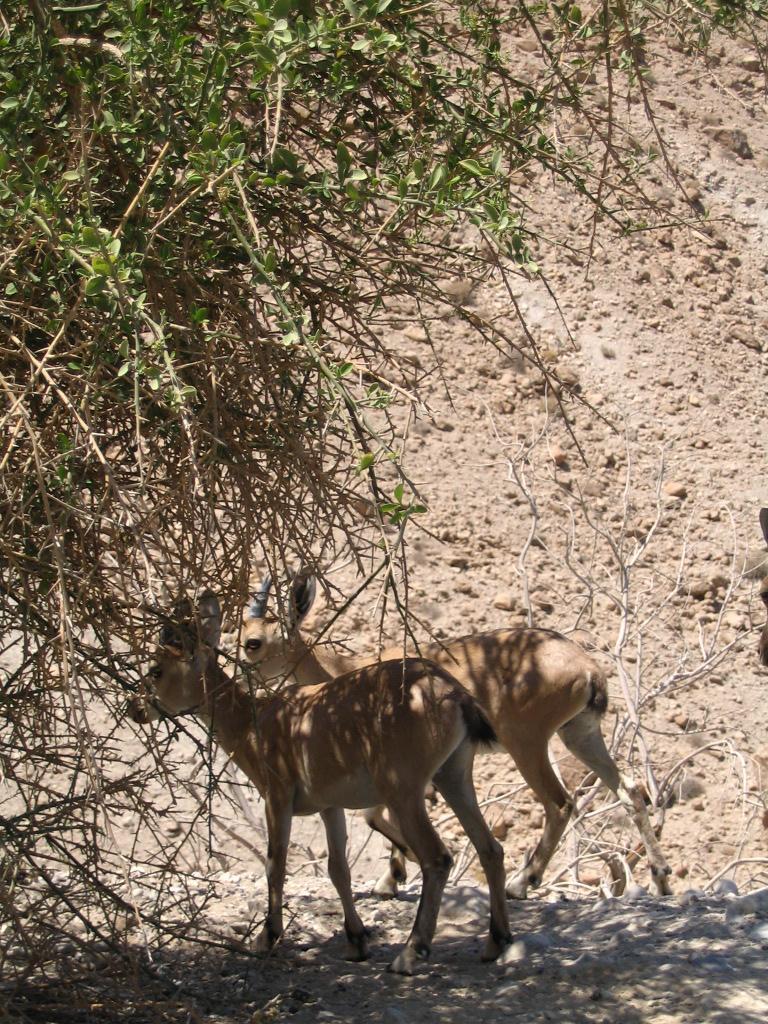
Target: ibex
530, 682
374, 736
763, 645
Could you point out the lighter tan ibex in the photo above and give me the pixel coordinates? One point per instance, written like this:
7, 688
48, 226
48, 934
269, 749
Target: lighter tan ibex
763, 645
530, 682
376, 735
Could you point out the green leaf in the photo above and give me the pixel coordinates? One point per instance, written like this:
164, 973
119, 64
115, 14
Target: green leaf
91, 236
101, 266
474, 168
343, 160
95, 285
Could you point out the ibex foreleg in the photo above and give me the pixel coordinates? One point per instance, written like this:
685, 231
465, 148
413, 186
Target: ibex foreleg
278, 815
454, 781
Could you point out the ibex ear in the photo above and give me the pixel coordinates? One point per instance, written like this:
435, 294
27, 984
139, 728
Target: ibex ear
303, 590
172, 632
182, 610
259, 599
764, 523
209, 613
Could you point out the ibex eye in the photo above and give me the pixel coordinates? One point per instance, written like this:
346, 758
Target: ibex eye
252, 645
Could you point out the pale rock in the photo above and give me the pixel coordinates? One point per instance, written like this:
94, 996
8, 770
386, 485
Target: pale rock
499, 830
457, 288
756, 563
415, 333
506, 600
744, 906
726, 887
514, 953
675, 489
634, 892
732, 139
559, 456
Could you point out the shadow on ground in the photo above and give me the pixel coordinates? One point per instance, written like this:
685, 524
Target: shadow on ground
648, 962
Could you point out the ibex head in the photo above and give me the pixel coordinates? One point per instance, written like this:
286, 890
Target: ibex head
175, 681
266, 632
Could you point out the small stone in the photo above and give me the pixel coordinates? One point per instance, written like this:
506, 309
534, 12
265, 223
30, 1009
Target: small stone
514, 953
412, 358
457, 288
756, 563
691, 896
608, 351
559, 456
726, 887
589, 878
743, 334
593, 488
499, 830
635, 892
743, 906
394, 1015
415, 333
536, 817
734, 140
675, 489
506, 600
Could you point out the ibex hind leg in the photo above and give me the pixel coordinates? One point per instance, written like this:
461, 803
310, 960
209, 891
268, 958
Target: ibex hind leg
435, 862
534, 765
584, 738
396, 872
338, 871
